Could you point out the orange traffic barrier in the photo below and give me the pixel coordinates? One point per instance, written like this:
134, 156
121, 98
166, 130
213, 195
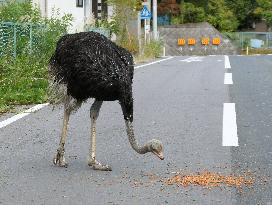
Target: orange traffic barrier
181, 41
205, 41
191, 41
216, 41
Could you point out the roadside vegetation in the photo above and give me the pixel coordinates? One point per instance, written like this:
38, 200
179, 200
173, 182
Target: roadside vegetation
254, 51
124, 12
23, 79
224, 15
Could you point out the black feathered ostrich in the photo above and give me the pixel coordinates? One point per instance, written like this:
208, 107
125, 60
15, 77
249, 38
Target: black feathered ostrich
88, 65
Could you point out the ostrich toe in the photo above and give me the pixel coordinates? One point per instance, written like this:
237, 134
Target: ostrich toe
60, 160
98, 166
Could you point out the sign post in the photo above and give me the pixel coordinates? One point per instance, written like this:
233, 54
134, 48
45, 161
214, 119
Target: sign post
145, 14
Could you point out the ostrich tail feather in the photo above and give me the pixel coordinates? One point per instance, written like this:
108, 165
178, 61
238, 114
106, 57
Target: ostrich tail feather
56, 92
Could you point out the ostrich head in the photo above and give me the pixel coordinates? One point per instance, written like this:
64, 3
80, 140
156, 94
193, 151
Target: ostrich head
156, 147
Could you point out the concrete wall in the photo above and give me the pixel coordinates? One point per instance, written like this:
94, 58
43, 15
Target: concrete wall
170, 35
261, 27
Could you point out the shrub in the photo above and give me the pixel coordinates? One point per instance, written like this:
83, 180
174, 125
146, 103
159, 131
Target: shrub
130, 43
12, 11
192, 13
24, 79
153, 49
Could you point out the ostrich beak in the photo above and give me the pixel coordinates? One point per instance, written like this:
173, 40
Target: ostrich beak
160, 155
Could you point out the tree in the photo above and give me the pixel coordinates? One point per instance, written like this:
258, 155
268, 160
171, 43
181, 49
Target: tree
124, 12
220, 16
12, 11
243, 10
192, 13
189, 13
264, 10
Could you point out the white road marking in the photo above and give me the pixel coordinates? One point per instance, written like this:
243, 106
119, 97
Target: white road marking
193, 59
228, 79
21, 115
140, 66
227, 62
230, 136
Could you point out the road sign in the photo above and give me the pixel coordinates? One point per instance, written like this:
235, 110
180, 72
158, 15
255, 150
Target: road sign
145, 13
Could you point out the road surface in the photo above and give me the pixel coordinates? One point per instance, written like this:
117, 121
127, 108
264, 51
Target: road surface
179, 101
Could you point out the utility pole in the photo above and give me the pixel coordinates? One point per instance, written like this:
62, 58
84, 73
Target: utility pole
154, 22
139, 32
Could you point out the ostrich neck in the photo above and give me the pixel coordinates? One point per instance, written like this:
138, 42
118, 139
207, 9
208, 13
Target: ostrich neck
133, 142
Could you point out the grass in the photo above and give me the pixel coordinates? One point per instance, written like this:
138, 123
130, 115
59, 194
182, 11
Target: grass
150, 51
23, 81
253, 51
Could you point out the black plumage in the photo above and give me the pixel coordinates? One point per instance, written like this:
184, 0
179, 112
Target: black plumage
92, 66
88, 65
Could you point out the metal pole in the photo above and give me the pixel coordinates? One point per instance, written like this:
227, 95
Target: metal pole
145, 31
267, 42
155, 20
139, 33
242, 40
14, 41
30, 38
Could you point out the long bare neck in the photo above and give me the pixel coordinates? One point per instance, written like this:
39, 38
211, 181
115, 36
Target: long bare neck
133, 142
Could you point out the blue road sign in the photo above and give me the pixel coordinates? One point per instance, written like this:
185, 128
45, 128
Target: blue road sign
145, 13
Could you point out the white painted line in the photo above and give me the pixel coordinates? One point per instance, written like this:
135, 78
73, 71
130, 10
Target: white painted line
228, 79
21, 115
230, 136
193, 59
227, 62
140, 66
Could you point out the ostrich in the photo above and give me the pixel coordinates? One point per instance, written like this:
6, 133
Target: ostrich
88, 65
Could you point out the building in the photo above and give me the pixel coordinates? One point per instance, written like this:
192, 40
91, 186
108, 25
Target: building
81, 10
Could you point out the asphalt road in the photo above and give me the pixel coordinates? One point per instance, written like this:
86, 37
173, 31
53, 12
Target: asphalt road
178, 101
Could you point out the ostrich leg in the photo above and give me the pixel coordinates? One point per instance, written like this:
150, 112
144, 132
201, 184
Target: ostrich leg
69, 106
94, 112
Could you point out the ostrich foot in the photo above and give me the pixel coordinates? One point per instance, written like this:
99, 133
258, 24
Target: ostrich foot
59, 159
98, 166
